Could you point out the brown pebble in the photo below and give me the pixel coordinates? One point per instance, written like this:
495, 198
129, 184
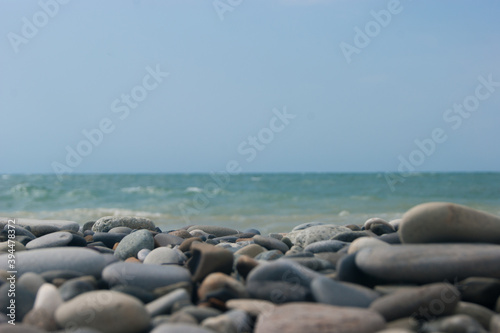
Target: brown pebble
181, 233
89, 238
186, 245
116, 245
133, 259
245, 264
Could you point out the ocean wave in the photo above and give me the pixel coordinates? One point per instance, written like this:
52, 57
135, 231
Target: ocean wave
144, 190
27, 190
193, 189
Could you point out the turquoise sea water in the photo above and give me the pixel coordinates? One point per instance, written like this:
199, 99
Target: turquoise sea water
269, 202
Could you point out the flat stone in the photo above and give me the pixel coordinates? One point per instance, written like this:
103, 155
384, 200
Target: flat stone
365, 242
85, 261
270, 243
283, 270
214, 230
350, 236
180, 328
328, 291
208, 259
348, 271
222, 287
180, 233
200, 313
245, 264
72, 288
55, 239
426, 263
439, 222
325, 246
104, 224
111, 312
120, 230
147, 277
250, 250
164, 256
315, 234
379, 226
481, 314
233, 321
131, 244
167, 239
60, 224
19, 231
426, 302
163, 305
144, 296
318, 318
269, 255
253, 307
186, 244
109, 239
454, 324
43, 229
482, 291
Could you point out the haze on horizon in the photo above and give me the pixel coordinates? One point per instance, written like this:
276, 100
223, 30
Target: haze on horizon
255, 86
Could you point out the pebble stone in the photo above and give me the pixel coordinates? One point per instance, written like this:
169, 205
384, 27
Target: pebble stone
106, 311
131, 244
55, 239
440, 222
319, 318
314, 234
104, 224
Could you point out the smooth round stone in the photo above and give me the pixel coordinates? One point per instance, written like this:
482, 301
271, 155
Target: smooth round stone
214, 230
200, 313
270, 243
426, 302
208, 259
186, 244
245, 264
307, 225
180, 328
221, 287
120, 230
165, 304
104, 224
143, 295
482, 291
279, 292
42, 229
60, 224
315, 264
365, 242
348, 271
54, 239
392, 238
331, 292
163, 256
111, 312
253, 307
231, 321
454, 324
19, 231
480, 313
251, 231
350, 236
318, 318
180, 233
269, 255
283, 270
147, 277
250, 250
4, 246
325, 246
109, 239
85, 261
87, 226
142, 254
439, 222
131, 244
167, 239
426, 263
73, 288
379, 226
315, 234
24, 301
31, 281
48, 299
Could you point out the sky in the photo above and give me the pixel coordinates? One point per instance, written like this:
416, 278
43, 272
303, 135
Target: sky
91, 86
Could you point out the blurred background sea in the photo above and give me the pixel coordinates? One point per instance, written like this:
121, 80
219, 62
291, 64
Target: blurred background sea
270, 202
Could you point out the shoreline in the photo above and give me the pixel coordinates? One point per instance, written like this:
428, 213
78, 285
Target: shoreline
434, 268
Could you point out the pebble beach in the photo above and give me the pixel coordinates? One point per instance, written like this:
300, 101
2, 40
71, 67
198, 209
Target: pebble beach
437, 269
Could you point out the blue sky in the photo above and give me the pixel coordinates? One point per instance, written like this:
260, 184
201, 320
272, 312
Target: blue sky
266, 84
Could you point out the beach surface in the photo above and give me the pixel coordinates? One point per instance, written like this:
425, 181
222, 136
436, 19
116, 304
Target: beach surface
434, 270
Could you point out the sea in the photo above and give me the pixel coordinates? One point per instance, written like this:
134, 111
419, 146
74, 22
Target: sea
270, 202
